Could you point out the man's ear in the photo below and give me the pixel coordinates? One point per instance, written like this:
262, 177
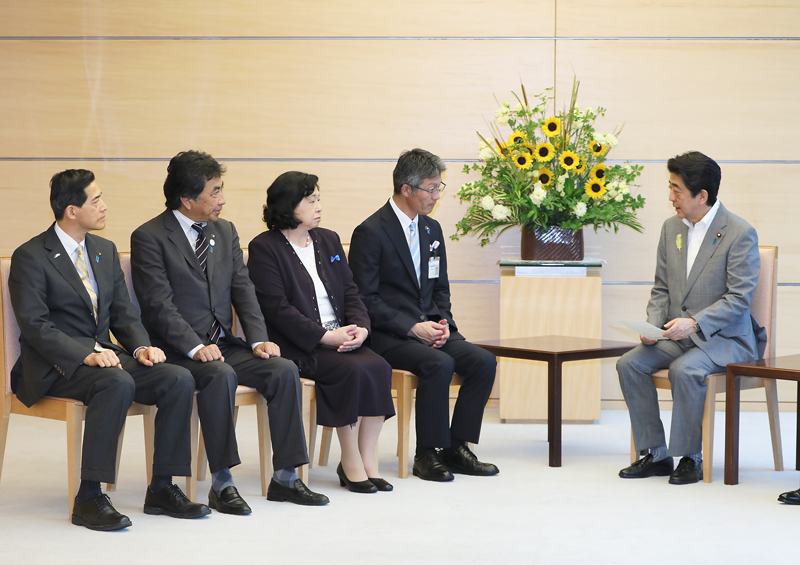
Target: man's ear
703, 196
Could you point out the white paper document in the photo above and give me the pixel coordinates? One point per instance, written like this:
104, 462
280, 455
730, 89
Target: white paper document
641, 328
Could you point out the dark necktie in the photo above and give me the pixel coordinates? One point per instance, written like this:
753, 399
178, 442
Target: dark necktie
201, 250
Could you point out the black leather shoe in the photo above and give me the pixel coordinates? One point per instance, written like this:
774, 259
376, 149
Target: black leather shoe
646, 467
171, 501
429, 467
382, 485
364, 487
300, 494
791, 497
228, 502
461, 460
687, 472
97, 513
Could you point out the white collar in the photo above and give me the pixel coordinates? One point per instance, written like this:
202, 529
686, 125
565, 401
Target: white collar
70, 245
707, 219
405, 221
186, 223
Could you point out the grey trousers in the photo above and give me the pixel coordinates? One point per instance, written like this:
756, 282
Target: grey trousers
688, 368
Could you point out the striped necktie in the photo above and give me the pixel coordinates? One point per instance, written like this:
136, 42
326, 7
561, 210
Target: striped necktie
83, 272
201, 250
413, 245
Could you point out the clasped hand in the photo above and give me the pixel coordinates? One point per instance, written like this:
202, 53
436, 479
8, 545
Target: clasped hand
430, 333
346, 338
676, 330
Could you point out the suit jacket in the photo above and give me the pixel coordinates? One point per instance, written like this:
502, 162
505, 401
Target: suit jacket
718, 290
178, 302
384, 272
54, 311
286, 292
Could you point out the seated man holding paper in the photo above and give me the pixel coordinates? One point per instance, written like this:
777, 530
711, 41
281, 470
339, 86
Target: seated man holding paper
706, 272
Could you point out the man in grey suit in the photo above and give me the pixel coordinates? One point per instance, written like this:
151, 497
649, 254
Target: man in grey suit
706, 272
68, 294
188, 273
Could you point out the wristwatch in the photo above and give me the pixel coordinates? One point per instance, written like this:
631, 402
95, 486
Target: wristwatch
696, 326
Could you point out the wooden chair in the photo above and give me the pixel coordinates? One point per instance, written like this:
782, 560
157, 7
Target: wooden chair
763, 308
72, 412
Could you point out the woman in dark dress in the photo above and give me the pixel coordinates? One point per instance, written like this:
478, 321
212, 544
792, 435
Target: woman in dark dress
315, 315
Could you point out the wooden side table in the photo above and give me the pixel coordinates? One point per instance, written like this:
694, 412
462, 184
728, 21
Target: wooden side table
555, 350
783, 368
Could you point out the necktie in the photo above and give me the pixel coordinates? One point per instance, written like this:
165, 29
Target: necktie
83, 272
413, 245
201, 250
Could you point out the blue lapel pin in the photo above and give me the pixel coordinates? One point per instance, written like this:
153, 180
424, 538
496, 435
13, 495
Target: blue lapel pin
715, 239
427, 230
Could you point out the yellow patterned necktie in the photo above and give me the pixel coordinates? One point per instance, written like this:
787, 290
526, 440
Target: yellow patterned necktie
83, 271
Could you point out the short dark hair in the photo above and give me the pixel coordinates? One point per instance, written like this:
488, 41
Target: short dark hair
698, 172
187, 175
283, 196
414, 166
68, 188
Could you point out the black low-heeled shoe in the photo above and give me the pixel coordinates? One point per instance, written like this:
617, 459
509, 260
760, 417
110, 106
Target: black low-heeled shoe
382, 485
360, 486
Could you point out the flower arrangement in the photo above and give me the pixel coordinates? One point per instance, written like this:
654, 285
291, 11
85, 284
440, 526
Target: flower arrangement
550, 171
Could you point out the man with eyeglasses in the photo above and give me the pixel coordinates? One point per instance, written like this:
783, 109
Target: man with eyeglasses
399, 263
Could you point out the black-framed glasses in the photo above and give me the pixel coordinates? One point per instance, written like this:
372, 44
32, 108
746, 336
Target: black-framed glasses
432, 191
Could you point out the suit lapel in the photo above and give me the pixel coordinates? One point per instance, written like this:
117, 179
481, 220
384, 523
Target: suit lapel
62, 262
711, 243
391, 225
97, 263
211, 260
424, 249
177, 237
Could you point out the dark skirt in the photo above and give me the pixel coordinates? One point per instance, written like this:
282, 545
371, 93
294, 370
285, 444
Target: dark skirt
352, 384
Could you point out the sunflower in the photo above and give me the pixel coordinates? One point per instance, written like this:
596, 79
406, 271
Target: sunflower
581, 166
528, 148
552, 127
544, 152
545, 176
503, 148
595, 189
569, 160
598, 172
597, 148
522, 160
517, 137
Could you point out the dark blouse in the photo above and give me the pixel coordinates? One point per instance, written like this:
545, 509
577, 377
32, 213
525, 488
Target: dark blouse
286, 293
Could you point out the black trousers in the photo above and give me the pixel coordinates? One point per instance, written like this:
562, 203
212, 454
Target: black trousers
434, 369
108, 393
277, 379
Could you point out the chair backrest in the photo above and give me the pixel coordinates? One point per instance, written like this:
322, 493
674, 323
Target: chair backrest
125, 265
10, 329
765, 299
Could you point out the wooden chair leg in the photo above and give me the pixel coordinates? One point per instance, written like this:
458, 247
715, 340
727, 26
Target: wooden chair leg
404, 407
634, 453
202, 456
264, 444
771, 391
325, 445
4, 429
709, 412
309, 420
75, 415
149, 418
191, 480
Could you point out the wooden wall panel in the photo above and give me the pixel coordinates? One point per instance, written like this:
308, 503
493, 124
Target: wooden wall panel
710, 18
245, 99
731, 98
279, 18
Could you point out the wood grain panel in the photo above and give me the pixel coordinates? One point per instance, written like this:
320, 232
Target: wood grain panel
711, 18
246, 99
544, 306
748, 190
732, 98
281, 18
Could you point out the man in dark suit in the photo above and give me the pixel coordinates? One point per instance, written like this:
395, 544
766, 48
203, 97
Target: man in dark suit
68, 294
188, 273
399, 263
706, 273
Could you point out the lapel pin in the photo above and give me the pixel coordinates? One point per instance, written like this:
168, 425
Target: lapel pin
719, 235
212, 243
57, 255
97, 258
427, 230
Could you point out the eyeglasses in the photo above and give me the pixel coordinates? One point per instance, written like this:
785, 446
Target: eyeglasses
432, 191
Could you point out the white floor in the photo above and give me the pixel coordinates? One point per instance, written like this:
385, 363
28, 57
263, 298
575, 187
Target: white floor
531, 513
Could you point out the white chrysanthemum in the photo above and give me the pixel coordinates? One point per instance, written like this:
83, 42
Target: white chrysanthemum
487, 203
538, 195
623, 187
562, 179
579, 210
500, 212
486, 152
619, 197
517, 108
606, 139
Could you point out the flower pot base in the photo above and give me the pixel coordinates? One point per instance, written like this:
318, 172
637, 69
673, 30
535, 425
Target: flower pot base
554, 244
